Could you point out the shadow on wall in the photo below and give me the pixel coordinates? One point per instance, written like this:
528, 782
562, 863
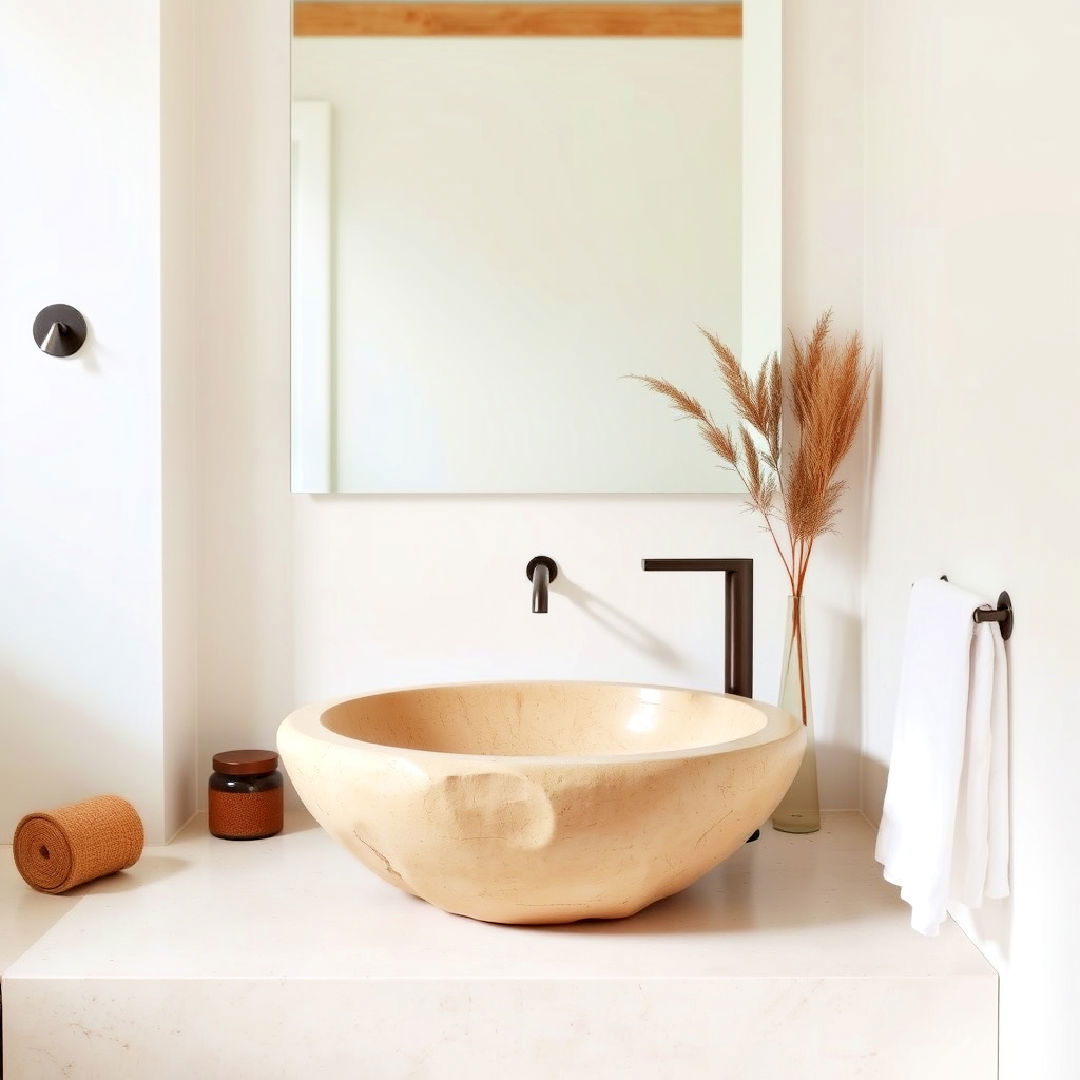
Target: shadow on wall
872, 435
836, 685
838, 763
873, 774
616, 622
33, 774
990, 926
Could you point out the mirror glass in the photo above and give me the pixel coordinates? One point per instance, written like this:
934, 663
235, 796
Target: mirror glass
490, 230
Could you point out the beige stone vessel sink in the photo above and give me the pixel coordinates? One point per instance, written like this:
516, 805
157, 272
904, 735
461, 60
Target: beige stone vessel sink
541, 802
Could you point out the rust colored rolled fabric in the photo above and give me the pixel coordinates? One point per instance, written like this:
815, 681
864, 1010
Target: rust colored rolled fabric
58, 849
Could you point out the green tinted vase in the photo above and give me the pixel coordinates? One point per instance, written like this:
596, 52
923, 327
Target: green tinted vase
798, 811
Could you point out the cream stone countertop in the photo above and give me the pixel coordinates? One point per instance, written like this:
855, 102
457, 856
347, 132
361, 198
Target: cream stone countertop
25, 915
299, 906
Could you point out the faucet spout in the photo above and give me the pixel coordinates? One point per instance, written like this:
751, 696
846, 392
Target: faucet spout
540, 589
541, 570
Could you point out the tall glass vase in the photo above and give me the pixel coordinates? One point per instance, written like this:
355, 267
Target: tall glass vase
798, 811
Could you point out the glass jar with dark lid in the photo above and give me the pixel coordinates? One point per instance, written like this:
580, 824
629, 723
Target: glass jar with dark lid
246, 795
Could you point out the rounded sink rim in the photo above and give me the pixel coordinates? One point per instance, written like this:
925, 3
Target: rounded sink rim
308, 721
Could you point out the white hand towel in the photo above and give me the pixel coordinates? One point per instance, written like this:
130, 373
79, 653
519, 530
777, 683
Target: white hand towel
944, 829
997, 868
971, 833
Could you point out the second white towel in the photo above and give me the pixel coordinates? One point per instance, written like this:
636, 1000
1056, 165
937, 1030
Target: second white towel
944, 830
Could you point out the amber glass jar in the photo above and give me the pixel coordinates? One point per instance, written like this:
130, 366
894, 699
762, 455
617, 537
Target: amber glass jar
246, 795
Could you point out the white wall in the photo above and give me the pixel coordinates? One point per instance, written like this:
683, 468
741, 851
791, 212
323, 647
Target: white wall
303, 598
81, 458
298, 598
972, 260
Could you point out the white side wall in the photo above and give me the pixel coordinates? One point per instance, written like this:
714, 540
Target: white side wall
82, 539
241, 298
304, 598
973, 259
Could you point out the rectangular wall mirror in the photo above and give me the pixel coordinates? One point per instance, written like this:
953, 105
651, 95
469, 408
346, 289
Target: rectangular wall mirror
499, 210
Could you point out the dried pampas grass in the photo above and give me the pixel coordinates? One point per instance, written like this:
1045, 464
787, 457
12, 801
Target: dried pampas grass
790, 475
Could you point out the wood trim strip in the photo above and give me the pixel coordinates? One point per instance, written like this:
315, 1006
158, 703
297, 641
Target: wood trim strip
576, 18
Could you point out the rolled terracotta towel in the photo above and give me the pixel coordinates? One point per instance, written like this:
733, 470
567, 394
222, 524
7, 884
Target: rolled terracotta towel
59, 849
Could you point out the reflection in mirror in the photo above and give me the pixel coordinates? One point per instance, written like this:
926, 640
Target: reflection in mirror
490, 230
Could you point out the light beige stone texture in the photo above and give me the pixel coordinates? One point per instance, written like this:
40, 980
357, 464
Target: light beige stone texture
541, 802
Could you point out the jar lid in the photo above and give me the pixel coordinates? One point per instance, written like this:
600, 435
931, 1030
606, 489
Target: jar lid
245, 762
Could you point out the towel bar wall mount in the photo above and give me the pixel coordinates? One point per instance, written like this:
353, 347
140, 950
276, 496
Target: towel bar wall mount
1002, 614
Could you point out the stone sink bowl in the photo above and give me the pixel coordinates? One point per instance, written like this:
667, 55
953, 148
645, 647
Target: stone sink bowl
541, 802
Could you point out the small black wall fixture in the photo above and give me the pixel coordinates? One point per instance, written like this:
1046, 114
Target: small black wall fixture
1002, 615
541, 570
59, 330
738, 615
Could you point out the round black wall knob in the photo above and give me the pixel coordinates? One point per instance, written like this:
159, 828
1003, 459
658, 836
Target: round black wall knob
59, 330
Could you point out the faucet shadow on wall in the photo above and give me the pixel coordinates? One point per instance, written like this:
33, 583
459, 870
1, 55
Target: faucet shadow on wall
616, 622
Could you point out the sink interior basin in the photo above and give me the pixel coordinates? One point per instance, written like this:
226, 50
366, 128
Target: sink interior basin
545, 719
541, 802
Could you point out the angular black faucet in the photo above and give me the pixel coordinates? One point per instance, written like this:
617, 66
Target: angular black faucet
738, 615
738, 621
541, 570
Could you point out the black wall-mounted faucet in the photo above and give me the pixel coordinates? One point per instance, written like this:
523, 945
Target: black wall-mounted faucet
738, 615
541, 570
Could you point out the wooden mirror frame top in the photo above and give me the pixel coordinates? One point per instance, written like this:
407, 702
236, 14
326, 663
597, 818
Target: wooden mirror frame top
376, 18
